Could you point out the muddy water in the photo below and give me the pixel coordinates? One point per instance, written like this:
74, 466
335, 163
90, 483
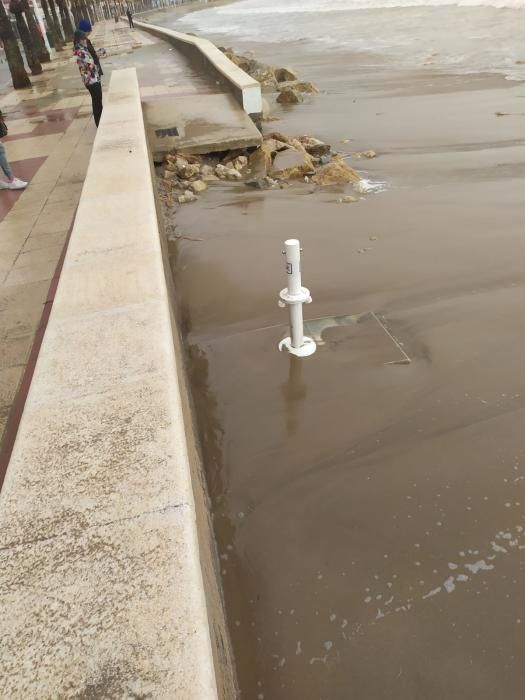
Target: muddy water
370, 516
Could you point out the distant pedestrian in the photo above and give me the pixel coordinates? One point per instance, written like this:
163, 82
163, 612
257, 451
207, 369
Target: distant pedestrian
13, 183
85, 26
129, 13
89, 73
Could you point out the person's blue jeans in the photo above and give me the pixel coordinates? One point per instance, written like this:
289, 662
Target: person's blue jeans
4, 163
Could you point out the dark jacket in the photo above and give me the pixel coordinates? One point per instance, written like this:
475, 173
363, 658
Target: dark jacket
95, 57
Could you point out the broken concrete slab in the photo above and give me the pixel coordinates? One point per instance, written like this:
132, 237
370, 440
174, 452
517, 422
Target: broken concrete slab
198, 124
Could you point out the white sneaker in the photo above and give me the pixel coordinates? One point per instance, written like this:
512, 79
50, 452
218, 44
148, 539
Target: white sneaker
4, 185
17, 184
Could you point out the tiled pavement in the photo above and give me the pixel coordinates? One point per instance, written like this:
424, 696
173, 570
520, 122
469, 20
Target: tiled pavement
49, 144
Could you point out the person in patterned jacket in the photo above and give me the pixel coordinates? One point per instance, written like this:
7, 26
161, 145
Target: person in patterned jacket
88, 72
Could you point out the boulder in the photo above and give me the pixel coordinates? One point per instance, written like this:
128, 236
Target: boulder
336, 172
170, 174
294, 163
284, 74
289, 96
188, 196
227, 173
264, 75
300, 86
278, 137
207, 174
314, 147
245, 63
240, 162
182, 167
369, 154
275, 145
198, 186
260, 161
263, 183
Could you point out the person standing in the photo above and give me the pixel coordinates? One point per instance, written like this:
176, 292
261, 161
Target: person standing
129, 13
89, 73
85, 26
13, 183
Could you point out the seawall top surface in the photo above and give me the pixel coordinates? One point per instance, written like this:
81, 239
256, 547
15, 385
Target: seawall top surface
248, 86
100, 578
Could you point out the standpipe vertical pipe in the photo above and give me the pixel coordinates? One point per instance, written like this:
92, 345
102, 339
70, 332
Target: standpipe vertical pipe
294, 296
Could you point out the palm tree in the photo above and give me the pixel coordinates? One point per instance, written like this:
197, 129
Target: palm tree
38, 39
56, 21
17, 8
66, 20
12, 52
51, 27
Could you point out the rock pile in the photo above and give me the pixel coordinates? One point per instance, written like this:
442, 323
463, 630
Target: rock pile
285, 81
278, 160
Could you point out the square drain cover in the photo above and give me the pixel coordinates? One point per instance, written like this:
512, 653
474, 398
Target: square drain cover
170, 131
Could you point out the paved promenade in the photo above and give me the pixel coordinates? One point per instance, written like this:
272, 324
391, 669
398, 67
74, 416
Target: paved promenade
50, 139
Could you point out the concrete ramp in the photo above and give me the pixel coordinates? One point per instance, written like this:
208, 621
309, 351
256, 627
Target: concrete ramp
198, 124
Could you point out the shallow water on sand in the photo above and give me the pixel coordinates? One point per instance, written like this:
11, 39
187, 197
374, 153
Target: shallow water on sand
370, 517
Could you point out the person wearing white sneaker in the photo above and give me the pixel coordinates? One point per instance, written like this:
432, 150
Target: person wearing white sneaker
13, 183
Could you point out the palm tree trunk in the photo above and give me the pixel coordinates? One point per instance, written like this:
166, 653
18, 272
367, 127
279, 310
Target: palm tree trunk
12, 52
76, 12
27, 42
38, 40
53, 33
56, 21
66, 20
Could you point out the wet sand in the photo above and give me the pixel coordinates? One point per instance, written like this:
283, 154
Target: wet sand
370, 517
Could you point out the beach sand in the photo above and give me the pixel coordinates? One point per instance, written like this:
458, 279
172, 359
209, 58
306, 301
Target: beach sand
369, 516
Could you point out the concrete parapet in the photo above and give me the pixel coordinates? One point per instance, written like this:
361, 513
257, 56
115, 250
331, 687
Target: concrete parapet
107, 575
245, 89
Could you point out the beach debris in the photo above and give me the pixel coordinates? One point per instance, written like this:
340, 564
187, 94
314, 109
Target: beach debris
336, 172
363, 154
207, 173
314, 147
272, 78
368, 187
283, 75
293, 163
224, 172
264, 75
260, 161
276, 163
198, 186
188, 196
289, 96
183, 237
265, 183
299, 86
510, 114
240, 162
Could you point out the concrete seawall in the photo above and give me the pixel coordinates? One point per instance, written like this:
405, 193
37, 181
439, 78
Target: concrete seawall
107, 560
244, 88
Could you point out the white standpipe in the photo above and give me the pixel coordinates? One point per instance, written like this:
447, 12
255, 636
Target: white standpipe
294, 296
